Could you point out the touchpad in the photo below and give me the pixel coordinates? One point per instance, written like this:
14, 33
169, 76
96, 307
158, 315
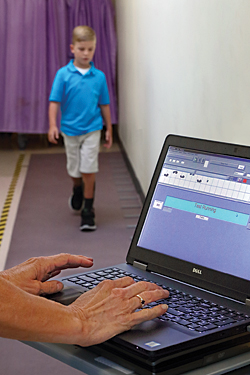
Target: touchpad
66, 296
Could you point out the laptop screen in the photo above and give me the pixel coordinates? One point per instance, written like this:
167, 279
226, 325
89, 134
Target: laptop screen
199, 211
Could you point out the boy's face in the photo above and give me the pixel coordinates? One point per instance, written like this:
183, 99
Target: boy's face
83, 53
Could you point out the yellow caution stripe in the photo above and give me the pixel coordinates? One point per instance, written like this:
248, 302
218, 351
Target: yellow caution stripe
9, 198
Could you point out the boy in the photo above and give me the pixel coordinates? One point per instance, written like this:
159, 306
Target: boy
80, 90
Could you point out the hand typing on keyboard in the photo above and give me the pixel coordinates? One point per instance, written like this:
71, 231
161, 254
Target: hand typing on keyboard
112, 307
109, 308
33, 275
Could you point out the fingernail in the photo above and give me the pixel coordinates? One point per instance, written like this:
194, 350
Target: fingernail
164, 307
59, 286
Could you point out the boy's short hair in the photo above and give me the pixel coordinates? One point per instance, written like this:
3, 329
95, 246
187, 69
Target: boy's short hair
83, 34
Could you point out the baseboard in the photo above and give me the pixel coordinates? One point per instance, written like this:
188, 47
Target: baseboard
129, 166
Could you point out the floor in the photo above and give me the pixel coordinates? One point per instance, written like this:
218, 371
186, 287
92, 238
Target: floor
14, 164
14, 160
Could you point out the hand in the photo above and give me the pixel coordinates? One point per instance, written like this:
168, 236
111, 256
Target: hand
53, 134
108, 139
110, 308
32, 275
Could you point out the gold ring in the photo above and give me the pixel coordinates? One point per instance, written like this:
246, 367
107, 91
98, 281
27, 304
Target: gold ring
141, 300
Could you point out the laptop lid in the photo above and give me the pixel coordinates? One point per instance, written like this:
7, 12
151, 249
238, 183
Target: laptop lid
195, 223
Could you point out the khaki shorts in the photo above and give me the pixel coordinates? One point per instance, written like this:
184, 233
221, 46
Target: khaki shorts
82, 153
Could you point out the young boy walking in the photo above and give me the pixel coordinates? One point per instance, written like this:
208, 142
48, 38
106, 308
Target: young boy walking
80, 91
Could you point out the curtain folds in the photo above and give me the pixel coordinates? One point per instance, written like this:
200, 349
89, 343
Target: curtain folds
35, 37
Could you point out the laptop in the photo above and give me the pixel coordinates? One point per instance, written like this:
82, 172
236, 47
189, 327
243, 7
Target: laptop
192, 238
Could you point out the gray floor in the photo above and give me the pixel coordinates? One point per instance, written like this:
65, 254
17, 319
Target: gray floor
44, 225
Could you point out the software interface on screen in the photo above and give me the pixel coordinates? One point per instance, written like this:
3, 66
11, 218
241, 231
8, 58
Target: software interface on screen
200, 211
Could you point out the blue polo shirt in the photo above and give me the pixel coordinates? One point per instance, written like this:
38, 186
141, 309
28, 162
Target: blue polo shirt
80, 97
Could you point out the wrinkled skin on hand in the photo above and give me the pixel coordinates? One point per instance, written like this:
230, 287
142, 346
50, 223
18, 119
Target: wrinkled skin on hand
33, 274
99, 314
112, 307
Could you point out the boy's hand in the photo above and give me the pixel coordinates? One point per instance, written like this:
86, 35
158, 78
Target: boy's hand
108, 139
53, 134
107, 120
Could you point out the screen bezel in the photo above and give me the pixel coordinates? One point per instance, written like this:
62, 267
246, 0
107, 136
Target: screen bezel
230, 286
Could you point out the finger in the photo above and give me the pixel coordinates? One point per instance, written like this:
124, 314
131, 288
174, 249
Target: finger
50, 287
49, 275
148, 314
54, 273
140, 287
64, 261
52, 140
105, 288
154, 295
51, 137
109, 285
108, 145
142, 299
55, 137
123, 282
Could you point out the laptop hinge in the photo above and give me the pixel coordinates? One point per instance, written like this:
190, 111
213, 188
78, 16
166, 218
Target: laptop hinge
141, 266
247, 301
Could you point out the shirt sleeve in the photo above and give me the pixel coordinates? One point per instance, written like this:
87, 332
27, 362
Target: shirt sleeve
56, 93
104, 93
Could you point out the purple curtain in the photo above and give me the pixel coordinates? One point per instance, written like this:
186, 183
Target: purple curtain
35, 37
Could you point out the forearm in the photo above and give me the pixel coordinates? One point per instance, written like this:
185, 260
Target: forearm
53, 111
27, 317
105, 109
53, 133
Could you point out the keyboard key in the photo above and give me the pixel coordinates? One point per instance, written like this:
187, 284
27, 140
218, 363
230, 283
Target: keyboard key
174, 312
184, 322
93, 275
184, 310
85, 278
73, 279
80, 282
101, 279
206, 328
225, 322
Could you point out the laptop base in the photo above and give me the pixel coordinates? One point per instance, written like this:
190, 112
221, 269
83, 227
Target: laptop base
174, 366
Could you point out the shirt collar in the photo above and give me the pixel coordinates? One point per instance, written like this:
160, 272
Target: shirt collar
72, 67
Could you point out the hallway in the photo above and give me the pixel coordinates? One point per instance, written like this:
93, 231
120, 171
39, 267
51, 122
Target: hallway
110, 241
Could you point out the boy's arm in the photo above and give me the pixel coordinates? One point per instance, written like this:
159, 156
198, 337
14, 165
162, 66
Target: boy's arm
107, 119
53, 133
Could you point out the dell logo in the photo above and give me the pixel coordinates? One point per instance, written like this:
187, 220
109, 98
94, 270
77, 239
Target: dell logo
196, 270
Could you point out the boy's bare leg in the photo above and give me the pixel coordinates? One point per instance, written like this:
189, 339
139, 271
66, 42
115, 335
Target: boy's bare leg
89, 185
77, 181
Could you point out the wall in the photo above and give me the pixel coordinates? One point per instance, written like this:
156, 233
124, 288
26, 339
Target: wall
184, 68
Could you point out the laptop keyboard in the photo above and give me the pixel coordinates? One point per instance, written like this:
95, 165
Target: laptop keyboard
185, 309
